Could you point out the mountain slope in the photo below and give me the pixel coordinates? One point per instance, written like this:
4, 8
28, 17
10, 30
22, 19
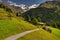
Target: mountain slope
10, 24
10, 8
48, 12
7, 7
39, 35
5, 14
14, 26
6, 11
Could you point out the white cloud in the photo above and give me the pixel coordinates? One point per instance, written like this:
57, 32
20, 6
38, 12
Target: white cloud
22, 6
34, 6
12, 3
0, 0
49, 0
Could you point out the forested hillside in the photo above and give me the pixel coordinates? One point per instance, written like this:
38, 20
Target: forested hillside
48, 12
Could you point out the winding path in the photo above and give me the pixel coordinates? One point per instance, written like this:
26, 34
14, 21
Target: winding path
14, 37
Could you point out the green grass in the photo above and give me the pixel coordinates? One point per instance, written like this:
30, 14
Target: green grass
55, 31
39, 35
11, 27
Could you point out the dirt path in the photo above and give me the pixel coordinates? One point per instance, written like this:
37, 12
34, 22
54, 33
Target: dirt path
14, 37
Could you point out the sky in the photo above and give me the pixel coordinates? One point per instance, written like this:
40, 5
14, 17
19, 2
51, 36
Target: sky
25, 2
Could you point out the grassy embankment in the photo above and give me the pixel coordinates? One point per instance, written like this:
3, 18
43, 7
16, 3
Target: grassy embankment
9, 27
42, 35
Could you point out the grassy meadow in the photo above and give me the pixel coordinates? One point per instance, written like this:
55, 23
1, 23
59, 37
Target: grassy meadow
55, 32
12, 27
41, 35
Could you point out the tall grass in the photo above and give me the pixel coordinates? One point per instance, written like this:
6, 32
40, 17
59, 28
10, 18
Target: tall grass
39, 35
11, 27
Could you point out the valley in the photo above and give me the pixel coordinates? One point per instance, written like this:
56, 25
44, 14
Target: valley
37, 23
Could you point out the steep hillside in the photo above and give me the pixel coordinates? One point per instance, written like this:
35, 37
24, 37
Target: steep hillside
10, 8
6, 11
39, 35
55, 32
48, 12
50, 4
5, 14
7, 7
14, 26
10, 24
56, 0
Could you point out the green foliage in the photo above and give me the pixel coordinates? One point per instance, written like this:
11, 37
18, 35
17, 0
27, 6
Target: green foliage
55, 31
46, 14
34, 21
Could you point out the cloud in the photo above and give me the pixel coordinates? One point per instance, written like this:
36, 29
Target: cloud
49, 0
12, 3
21, 5
34, 6
0, 0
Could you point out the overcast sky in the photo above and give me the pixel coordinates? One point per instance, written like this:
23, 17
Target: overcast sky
26, 2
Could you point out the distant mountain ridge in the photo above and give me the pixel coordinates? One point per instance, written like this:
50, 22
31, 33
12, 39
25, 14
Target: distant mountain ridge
13, 8
56, 0
50, 3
